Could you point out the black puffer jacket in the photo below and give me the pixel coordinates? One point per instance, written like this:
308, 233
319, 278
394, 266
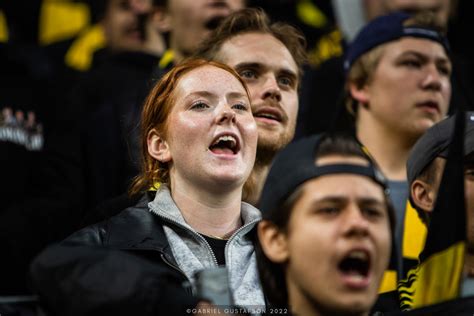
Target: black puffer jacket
122, 266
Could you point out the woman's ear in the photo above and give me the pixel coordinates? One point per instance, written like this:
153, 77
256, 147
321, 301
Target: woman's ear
158, 148
359, 94
274, 242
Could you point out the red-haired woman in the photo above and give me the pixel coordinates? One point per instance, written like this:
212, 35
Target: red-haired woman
199, 141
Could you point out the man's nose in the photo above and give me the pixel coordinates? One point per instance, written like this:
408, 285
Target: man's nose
432, 78
355, 223
271, 88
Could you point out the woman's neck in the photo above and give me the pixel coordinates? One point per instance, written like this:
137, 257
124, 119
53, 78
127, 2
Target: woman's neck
215, 214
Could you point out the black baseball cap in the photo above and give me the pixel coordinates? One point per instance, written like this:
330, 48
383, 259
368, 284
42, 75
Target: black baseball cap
436, 142
296, 164
385, 29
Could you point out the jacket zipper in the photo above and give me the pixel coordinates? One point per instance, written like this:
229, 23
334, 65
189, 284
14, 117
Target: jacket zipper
235, 234
214, 259
163, 257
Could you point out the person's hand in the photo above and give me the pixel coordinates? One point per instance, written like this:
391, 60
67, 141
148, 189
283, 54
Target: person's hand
207, 308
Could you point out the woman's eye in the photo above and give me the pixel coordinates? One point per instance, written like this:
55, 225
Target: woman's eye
199, 106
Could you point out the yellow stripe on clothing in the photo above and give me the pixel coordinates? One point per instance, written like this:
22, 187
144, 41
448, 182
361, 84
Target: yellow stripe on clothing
3, 28
435, 280
414, 234
166, 59
61, 19
81, 52
310, 14
389, 281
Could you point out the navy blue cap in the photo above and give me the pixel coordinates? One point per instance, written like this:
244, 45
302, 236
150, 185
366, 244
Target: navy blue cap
296, 164
385, 29
435, 142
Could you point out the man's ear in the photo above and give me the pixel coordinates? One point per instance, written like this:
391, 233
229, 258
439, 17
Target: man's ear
359, 94
161, 19
158, 148
274, 242
423, 194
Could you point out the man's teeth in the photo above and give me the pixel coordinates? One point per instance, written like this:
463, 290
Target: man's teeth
227, 138
356, 276
358, 254
266, 115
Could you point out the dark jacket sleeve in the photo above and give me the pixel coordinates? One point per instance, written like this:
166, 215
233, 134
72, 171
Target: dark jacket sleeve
87, 280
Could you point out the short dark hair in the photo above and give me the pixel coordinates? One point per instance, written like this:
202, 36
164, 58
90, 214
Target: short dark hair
254, 20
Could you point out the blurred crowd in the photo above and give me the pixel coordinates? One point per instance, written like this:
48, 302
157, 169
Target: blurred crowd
91, 147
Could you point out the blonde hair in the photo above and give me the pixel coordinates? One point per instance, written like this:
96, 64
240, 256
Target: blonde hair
362, 70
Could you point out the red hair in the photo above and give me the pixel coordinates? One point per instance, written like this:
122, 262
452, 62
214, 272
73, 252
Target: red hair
156, 109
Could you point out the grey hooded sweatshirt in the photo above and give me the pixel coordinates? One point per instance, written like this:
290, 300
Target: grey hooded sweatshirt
193, 253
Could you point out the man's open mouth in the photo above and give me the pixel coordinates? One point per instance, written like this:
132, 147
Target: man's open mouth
356, 265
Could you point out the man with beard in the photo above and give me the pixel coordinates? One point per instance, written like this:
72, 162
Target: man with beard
269, 58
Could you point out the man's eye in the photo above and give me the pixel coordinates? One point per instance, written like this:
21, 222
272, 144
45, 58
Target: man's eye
328, 210
248, 74
411, 63
372, 212
445, 70
469, 173
199, 106
285, 81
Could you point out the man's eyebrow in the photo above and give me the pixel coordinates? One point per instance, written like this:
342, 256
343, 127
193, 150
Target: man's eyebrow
425, 57
469, 163
289, 73
248, 65
370, 201
253, 65
342, 197
414, 53
331, 199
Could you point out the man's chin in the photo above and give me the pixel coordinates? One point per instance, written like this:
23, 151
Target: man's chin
267, 147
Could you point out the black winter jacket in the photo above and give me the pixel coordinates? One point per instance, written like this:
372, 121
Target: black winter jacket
122, 266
